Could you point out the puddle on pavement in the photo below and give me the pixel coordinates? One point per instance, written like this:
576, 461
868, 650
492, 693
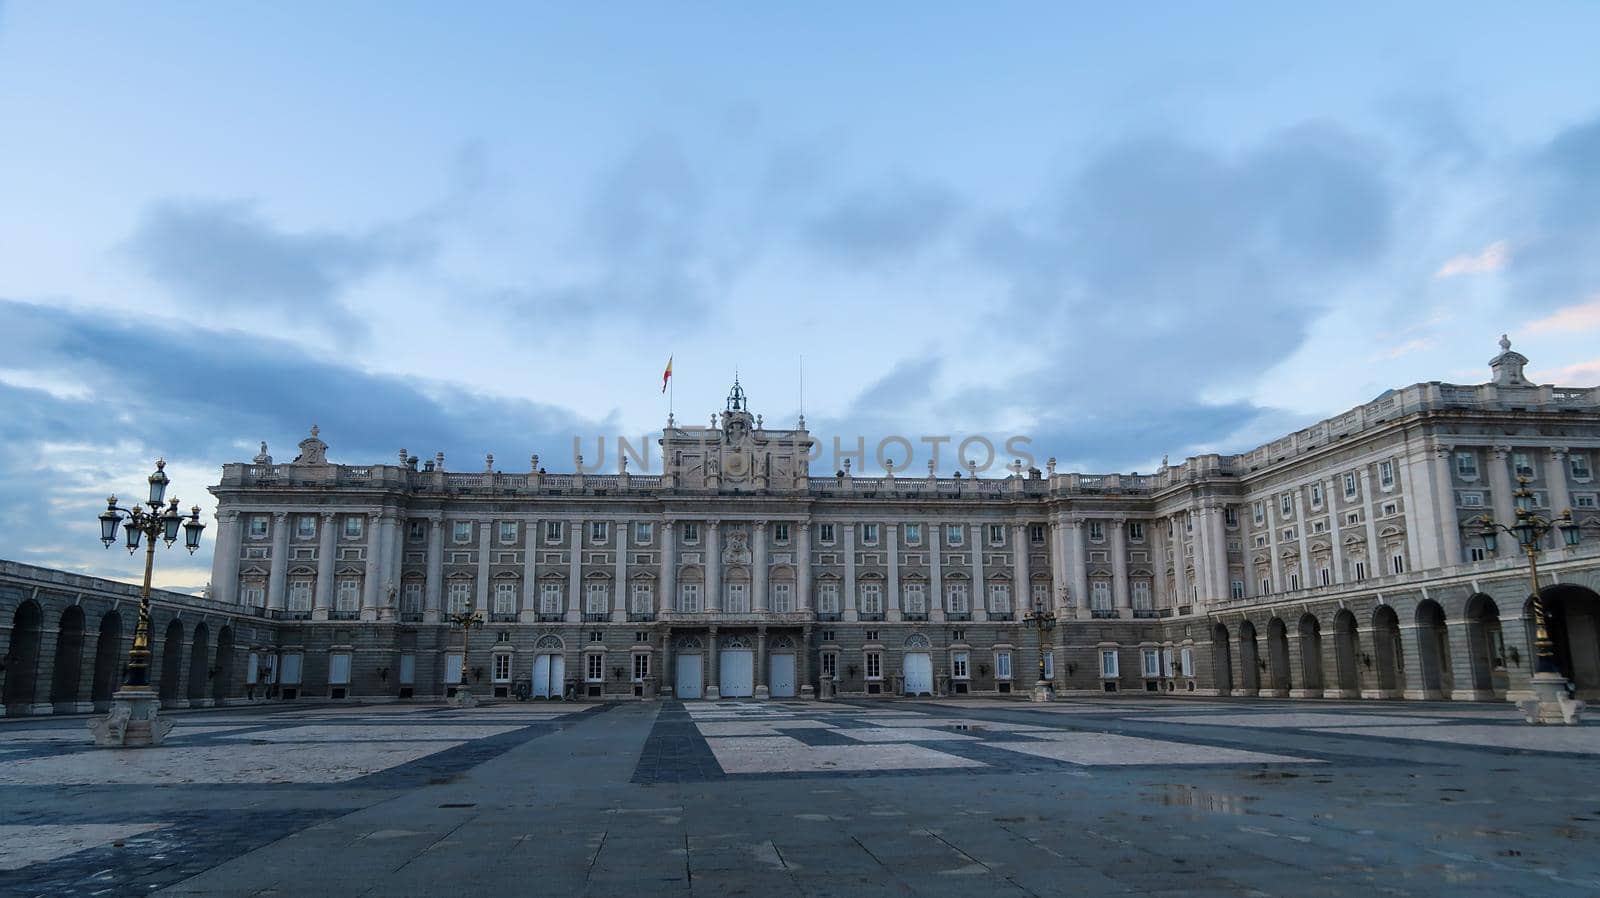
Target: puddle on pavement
1184, 796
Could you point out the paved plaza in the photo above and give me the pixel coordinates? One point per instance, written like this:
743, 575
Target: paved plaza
1082, 797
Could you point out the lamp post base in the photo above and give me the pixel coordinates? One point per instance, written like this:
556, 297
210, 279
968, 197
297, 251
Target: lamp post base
1042, 692
464, 698
134, 721
1550, 704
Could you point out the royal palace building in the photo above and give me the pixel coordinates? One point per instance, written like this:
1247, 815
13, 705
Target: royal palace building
1341, 561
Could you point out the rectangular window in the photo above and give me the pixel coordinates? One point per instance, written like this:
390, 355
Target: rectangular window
1294, 580
1000, 598
550, 598
1002, 665
1316, 495
1386, 474
452, 669
913, 534
1350, 483
874, 665
1136, 531
1360, 568
959, 662
596, 597
255, 595
502, 668
1236, 589
1286, 505
461, 531
830, 664
1476, 553
1397, 563
339, 669
1097, 531
871, 598
825, 533
1041, 595
1049, 664
1264, 585
1186, 662
689, 597
505, 598
459, 595
1390, 509
691, 532
1579, 464
738, 598
411, 599
293, 665
1522, 465
956, 598
348, 597
1353, 517
508, 531
1152, 662
641, 665
594, 667
352, 527
1036, 534
644, 600
869, 534
782, 598
300, 594
1319, 526
258, 526
828, 598
780, 532
642, 533
1583, 500
305, 526
997, 534
1108, 664
1467, 465
417, 531
1230, 516
916, 599
1141, 594
408, 669
1100, 595
599, 531
1325, 575
1258, 512
552, 531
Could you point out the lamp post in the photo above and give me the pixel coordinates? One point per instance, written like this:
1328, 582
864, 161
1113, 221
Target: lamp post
134, 719
1043, 621
1550, 703
466, 619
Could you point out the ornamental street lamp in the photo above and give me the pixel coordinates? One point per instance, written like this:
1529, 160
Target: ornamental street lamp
134, 718
466, 619
1550, 703
1043, 621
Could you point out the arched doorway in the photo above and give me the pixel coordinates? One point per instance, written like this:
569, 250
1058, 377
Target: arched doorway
1387, 654
199, 661
68, 666
1347, 653
171, 663
1278, 656
1249, 659
1433, 651
1486, 648
107, 660
222, 683
22, 658
1572, 615
1222, 660
1311, 655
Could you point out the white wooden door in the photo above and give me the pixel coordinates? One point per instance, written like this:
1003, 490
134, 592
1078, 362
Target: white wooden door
687, 683
738, 673
782, 681
558, 676
541, 676
919, 673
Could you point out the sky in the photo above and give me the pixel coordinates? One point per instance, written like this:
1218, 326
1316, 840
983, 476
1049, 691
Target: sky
1121, 234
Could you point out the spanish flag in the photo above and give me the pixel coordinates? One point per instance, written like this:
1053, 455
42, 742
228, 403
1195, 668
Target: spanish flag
666, 375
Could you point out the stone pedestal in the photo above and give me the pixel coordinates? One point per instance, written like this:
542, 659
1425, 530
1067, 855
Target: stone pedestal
464, 698
134, 721
713, 693
762, 693
826, 693
1041, 691
806, 692
1550, 704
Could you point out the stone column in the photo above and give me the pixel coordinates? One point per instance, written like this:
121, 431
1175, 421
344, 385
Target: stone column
485, 546
279, 571
1180, 572
1273, 509
802, 565
850, 572
620, 575
575, 577
1080, 569
1058, 563
388, 528
935, 572
528, 612
1504, 503
713, 566
1203, 562
1158, 547
668, 599
713, 684
326, 536
370, 583
760, 684
758, 565
891, 533
1444, 496
980, 590
1375, 559
1555, 474
1023, 590
1334, 538
1303, 527
1411, 677
1219, 549
1419, 519
1119, 567
225, 559
433, 599
803, 664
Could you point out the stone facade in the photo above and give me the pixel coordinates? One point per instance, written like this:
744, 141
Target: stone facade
1331, 562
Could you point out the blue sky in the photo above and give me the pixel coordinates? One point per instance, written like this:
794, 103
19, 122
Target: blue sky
1123, 234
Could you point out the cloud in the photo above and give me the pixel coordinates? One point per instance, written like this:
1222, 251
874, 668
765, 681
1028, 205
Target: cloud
212, 254
1577, 374
1488, 260
1578, 318
1556, 260
893, 220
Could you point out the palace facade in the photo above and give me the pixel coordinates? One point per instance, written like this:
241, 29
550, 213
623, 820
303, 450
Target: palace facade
1340, 561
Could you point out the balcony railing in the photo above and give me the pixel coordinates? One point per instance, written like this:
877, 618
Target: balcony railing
1102, 613
596, 617
1146, 613
641, 617
503, 618
297, 614
916, 616
872, 615
828, 615
555, 617
411, 617
959, 616
1000, 615
336, 614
